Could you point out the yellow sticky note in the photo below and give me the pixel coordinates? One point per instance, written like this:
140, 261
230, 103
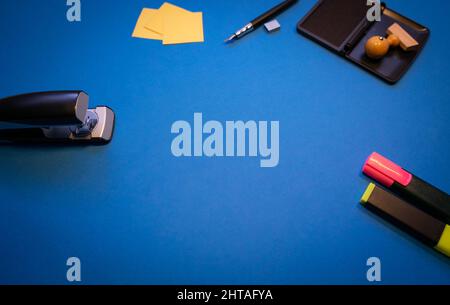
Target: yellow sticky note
140, 30
183, 27
156, 23
171, 24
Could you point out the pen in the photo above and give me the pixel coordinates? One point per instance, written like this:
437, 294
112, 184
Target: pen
258, 21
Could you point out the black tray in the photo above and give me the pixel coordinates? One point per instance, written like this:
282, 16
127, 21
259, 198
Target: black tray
342, 26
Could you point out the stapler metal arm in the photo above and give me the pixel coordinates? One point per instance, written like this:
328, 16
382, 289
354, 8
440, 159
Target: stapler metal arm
58, 116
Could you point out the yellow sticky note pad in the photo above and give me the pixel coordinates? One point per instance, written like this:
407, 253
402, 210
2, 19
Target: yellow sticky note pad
171, 24
140, 31
182, 27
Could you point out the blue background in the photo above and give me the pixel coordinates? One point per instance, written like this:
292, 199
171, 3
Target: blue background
134, 214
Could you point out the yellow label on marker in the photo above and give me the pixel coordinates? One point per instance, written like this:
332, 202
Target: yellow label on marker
444, 243
367, 193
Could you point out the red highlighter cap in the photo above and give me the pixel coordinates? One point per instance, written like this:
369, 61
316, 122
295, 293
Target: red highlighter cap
385, 171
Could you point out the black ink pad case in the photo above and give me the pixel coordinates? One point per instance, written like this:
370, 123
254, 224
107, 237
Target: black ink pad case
342, 26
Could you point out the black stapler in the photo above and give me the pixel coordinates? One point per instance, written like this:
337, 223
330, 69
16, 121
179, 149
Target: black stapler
54, 117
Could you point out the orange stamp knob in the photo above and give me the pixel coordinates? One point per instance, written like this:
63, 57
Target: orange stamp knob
377, 47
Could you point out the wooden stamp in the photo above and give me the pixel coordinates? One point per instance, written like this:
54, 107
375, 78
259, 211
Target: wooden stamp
407, 43
378, 46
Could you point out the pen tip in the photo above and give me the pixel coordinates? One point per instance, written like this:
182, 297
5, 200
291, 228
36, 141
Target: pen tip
231, 38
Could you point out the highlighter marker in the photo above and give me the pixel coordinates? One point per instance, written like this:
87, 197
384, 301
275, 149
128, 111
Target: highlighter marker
408, 187
426, 228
